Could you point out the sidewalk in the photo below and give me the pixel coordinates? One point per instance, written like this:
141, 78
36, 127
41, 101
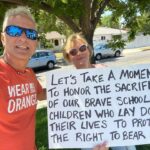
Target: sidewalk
41, 104
133, 50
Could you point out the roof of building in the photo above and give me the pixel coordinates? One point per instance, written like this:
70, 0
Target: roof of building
54, 35
106, 30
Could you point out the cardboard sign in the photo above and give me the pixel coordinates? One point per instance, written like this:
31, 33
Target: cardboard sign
90, 106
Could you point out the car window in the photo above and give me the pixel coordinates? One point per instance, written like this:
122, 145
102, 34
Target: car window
105, 46
97, 47
49, 53
42, 54
35, 55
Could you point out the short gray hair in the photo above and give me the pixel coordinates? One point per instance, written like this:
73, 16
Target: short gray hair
20, 10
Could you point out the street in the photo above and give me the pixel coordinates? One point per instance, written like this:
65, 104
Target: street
128, 58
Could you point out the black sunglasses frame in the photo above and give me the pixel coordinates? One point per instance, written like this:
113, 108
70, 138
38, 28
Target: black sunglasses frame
74, 51
25, 30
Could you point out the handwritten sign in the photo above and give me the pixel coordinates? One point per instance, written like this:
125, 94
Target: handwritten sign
89, 106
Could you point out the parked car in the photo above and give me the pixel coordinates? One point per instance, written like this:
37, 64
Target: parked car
102, 50
42, 58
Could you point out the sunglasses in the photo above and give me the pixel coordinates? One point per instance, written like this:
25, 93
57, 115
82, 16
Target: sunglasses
74, 51
16, 31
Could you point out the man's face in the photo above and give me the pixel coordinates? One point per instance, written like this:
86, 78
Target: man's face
19, 47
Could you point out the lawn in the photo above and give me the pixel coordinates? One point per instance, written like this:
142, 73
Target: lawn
41, 131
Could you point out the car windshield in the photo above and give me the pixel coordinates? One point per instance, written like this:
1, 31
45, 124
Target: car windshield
35, 55
99, 46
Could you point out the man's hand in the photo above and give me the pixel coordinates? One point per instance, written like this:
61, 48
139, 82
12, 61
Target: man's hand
42, 95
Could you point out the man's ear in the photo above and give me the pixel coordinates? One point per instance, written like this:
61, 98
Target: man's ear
2, 39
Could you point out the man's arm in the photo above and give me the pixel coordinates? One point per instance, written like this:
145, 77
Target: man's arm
42, 95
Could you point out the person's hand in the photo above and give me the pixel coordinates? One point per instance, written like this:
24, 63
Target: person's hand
101, 146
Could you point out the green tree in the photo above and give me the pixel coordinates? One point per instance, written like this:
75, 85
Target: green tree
132, 11
109, 21
116, 42
84, 15
144, 23
80, 16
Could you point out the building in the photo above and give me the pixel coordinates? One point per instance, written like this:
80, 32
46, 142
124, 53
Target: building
104, 34
101, 35
56, 39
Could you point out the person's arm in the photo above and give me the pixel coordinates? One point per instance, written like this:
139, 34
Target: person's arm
42, 95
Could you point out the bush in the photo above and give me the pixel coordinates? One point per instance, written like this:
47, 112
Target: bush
116, 42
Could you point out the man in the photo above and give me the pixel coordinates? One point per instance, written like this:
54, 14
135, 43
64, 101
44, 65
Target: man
19, 88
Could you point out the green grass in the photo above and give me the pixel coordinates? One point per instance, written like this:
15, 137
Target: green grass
41, 129
42, 132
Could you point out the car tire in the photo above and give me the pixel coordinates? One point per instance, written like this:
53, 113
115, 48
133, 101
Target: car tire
98, 57
50, 65
117, 53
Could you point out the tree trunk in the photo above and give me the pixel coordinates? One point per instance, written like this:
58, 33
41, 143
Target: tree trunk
89, 37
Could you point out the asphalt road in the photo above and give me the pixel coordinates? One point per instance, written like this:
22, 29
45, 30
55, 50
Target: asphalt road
128, 58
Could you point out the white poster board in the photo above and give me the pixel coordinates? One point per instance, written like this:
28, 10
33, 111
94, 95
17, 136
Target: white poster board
89, 106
